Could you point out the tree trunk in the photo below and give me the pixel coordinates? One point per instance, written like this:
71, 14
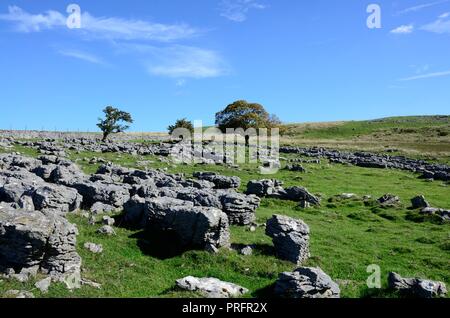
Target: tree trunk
247, 140
105, 136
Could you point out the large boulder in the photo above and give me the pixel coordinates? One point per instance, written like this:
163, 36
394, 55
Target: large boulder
31, 239
56, 198
263, 188
196, 226
211, 287
300, 194
306, 282
240, 208
109, 193
290, 238
416, 287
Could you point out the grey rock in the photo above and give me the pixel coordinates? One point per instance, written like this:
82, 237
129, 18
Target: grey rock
106, 230
196, 226
18, 294
44, 284
389, 200
240, 208
93, 248
290, 238
108, 221
100, 208
52, 240
416, 287
306, 282
220, 182
419, 202
247, 251
263, 188
211, 287
299, 194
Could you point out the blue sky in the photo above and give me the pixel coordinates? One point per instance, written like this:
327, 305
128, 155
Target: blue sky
167, 59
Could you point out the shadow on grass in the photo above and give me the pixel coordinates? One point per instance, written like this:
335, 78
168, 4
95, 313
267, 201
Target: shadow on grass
265, 292
262, 249
159, 244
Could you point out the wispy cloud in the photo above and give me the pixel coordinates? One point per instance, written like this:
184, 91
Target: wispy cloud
424, 76
99, 27
403, 29
179, 61
87, 57
237, 10
422, 6
440, 26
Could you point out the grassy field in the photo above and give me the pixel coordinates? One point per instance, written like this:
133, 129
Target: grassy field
418, 136
346, 235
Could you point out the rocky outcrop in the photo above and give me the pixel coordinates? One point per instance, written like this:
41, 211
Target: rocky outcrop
239, 208
416, 287
211, 287
370, 160
31, 239
195, 226
306, 282
274, 189
290, 238
265, 188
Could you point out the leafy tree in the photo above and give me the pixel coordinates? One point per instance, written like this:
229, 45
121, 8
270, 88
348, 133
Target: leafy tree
112, 123
242, 114
181, 123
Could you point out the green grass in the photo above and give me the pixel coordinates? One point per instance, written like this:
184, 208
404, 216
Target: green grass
440, 125
346, 236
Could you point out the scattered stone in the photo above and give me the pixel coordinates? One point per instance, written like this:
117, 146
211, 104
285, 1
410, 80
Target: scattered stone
416, 287
18, 294
306, 282
108, 220
295, 168
93, 248
290, 238
419, 202
106, 230
247, 251
211, 287
44, 284
389, 200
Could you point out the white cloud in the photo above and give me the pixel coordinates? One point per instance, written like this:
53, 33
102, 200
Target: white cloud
26, 22
99, 27
186, 62
444, 15
428, 75
81, 56
422, 6
403, 29
178, 61
237, 10
440, 26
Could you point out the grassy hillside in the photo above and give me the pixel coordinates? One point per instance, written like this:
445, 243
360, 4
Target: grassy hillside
346, 237
426, 136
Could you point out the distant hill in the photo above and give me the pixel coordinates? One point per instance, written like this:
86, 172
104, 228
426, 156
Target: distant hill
438, 126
